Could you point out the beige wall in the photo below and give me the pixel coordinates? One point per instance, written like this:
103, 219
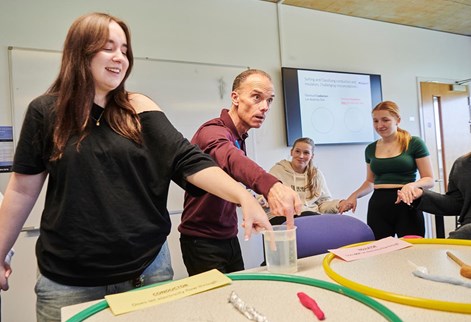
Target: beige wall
246, 32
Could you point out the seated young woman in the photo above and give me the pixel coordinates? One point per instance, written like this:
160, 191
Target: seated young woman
307, 180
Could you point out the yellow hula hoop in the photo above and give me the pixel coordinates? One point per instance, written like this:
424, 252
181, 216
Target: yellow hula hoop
398, 298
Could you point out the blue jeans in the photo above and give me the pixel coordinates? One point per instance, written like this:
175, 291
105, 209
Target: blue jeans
51, 296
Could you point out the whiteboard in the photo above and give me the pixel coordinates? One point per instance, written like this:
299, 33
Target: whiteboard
189, 93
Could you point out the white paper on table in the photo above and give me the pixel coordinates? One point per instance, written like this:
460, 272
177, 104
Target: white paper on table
381, 246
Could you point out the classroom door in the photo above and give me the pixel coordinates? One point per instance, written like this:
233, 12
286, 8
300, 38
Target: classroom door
447, 133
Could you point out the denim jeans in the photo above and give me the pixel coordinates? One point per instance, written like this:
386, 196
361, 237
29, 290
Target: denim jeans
51, 296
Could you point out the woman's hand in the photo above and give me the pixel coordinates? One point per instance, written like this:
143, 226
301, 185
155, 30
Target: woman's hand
408, 194
345, 205
348, 204
254, 217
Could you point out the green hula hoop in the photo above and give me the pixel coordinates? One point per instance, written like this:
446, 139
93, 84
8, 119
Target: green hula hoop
456, 307
378, 307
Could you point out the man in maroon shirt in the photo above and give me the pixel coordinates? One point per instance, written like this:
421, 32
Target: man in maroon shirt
209, 224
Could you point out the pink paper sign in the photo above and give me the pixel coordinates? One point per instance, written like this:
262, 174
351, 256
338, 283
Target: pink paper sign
381, 246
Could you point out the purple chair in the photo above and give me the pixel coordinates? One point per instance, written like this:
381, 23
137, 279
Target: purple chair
317, 234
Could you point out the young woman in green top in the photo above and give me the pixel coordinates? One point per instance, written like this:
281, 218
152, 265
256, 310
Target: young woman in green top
391, 164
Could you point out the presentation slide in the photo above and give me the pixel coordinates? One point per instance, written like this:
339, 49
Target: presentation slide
335, 107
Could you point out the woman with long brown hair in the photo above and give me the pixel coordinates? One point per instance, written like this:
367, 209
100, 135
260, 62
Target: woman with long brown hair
109, 156
392, 163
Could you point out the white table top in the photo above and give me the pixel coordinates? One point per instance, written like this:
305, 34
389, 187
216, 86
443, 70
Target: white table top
389, 272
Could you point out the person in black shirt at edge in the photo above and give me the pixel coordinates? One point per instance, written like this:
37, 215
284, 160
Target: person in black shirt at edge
456, 201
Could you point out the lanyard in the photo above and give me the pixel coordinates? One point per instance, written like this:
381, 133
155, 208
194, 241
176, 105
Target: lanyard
237, 144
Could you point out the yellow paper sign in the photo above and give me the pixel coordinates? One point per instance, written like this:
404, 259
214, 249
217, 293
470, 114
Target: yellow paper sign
140, 299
